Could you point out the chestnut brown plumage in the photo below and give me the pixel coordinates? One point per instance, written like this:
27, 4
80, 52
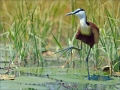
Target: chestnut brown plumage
91, 39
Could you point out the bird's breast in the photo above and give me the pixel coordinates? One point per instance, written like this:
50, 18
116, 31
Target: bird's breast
85, 30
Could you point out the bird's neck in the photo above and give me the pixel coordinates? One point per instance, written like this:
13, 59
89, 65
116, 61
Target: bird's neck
85, 29
83, 22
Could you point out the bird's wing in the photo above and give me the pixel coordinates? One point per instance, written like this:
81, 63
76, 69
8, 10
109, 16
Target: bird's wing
95, 32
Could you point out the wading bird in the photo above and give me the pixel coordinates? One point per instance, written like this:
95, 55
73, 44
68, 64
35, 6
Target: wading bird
87, 33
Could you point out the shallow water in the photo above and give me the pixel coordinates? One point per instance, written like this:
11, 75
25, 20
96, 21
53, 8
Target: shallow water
56, 78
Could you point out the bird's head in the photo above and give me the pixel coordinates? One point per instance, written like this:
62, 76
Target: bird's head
78, 12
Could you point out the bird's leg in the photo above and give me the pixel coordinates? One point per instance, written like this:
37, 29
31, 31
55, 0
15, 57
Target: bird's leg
87, 64
67, 49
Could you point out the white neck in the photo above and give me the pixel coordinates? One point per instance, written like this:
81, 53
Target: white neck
85, 29
82, 18
83, 22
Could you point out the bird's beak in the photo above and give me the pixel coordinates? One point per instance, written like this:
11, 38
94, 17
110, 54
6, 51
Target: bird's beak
71, 13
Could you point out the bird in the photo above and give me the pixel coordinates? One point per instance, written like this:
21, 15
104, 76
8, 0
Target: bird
87, 32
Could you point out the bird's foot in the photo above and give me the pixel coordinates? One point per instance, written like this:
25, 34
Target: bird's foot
100, 78
64, 51
69, 49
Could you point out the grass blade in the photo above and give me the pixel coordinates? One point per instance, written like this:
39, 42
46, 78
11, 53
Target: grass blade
57, 42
